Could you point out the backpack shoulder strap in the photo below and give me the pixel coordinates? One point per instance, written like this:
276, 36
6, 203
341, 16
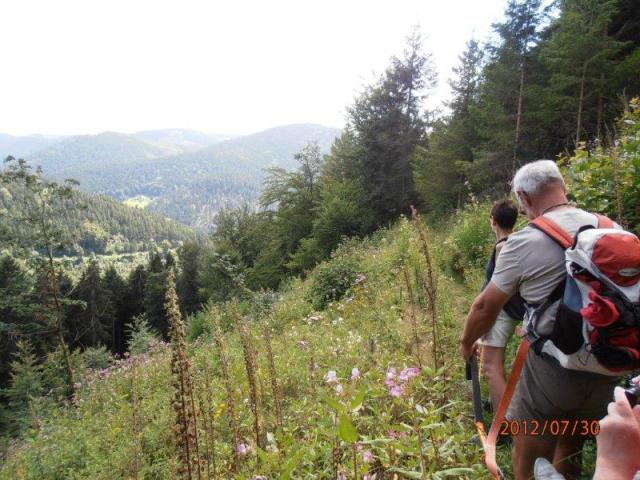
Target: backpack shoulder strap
553, 230
604, 222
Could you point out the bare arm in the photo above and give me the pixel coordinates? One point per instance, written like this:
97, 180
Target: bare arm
481, 317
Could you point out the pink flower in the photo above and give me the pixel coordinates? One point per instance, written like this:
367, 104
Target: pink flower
355, 373
367, 456
396, 391
391, 373
332, 377
409, 373
242, 449
342, 476
393, 434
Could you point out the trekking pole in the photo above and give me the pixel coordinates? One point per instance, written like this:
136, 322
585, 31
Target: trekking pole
478, 417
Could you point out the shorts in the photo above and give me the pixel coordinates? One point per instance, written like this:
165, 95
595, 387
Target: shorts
500, 333
546, 391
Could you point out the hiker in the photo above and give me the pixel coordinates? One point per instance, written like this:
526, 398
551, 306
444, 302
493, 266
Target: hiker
532, 263
503, 218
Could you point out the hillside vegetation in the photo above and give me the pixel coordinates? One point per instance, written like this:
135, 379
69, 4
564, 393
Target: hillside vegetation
102, 226
357, 384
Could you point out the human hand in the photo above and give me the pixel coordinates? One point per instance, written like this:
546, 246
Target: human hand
619, 440
467, 350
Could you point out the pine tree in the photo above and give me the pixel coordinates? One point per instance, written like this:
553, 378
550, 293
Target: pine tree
580, 56
25, 389
388, 123
116, 290
505, 95
95, 323
189, 259
440, 173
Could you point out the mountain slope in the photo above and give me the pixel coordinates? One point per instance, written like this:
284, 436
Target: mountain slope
105, 225
23, 146
180, 140
95, 152
189, 187
343, 396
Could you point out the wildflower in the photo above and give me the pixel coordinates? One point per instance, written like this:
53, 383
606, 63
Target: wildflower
393, 434
242, 449
355, 373
367, 456
409, 373
339, 389
332, 377
342, 476
360, 278
396, 391
77, 385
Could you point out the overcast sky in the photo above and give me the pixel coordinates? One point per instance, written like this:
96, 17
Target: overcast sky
219, 66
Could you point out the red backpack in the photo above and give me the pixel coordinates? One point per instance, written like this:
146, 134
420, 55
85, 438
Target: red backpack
591, 321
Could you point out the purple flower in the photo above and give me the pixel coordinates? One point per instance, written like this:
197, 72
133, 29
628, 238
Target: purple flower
342, 476
396, 390
242, 449
367, 456
355, 373
408, 373
332, 377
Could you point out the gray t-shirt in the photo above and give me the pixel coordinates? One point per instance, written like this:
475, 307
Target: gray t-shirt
533, 263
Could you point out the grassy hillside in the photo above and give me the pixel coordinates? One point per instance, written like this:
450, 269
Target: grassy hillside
340, 396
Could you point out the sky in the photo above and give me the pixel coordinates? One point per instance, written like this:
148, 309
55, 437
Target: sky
218, 66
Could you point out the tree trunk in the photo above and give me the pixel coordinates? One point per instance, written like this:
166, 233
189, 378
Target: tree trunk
580, 100
53, 284
518, 117
600, 108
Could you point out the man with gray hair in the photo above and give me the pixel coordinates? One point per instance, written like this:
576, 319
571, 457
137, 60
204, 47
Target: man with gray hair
532, 264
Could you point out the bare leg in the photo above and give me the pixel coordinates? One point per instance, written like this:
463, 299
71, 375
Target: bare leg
493, 365
567, 457
526, 449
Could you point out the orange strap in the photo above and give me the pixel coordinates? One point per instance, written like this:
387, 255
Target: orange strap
604, 222
554, 230
492, 438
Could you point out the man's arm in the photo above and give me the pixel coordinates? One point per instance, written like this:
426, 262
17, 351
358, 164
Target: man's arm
481, 317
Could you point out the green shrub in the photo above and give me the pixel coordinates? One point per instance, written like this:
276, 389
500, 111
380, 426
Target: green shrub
607, 180
198, 325
469, 244
330, 282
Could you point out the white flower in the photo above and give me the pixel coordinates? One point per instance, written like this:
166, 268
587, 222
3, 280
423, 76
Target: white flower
355, 373
332, 376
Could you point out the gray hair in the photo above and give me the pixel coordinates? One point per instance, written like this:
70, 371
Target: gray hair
535, 177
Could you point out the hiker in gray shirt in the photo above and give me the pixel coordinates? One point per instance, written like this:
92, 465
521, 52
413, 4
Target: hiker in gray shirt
532, 264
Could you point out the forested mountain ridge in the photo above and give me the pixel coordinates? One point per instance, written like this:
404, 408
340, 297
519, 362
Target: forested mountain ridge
190, 186
180, 140
25, 145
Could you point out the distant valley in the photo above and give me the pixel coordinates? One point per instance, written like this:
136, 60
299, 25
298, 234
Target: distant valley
181, 174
